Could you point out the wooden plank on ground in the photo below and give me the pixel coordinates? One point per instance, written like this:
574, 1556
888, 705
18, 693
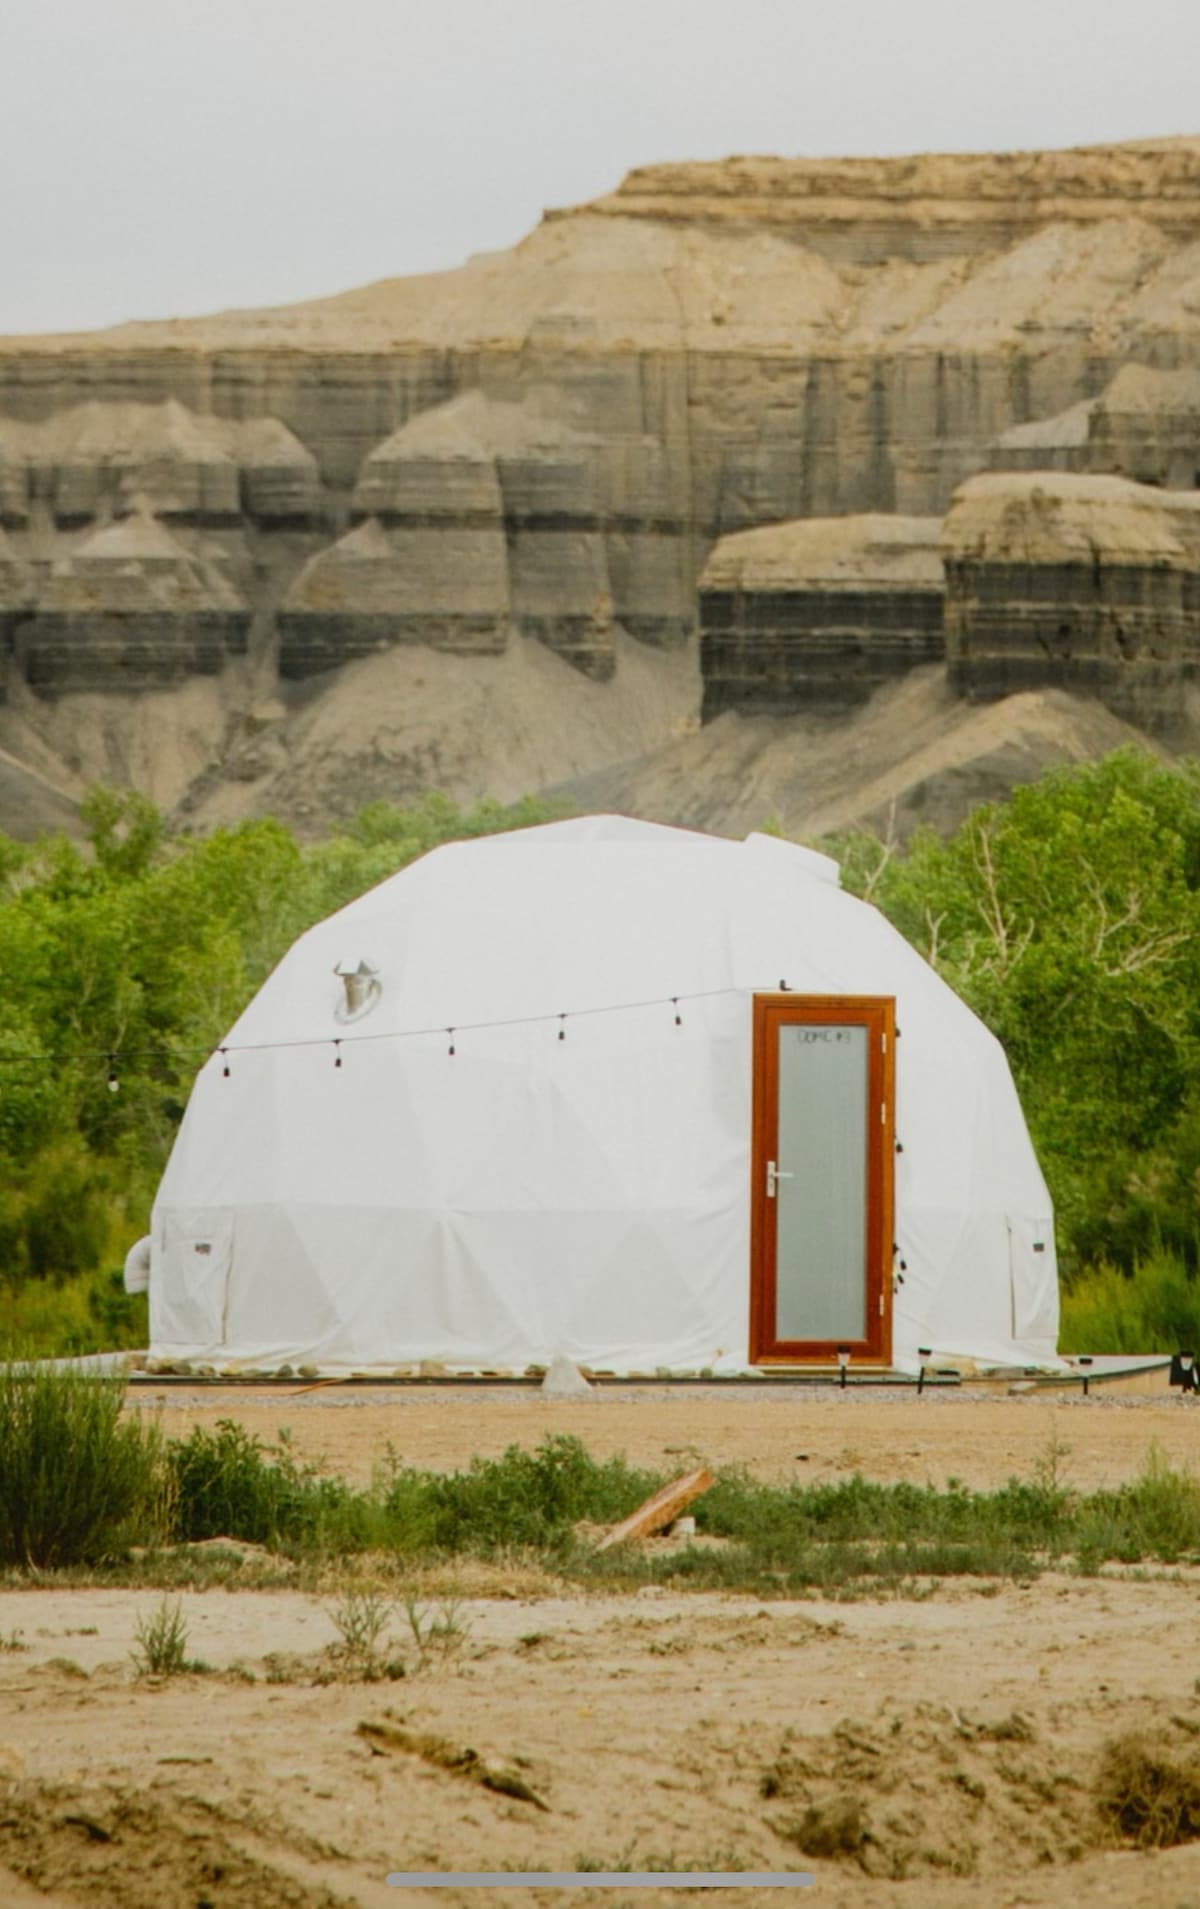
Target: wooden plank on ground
661, 1510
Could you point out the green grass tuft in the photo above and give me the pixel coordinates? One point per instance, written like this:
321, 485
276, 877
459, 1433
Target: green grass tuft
161, 1649
77, 1483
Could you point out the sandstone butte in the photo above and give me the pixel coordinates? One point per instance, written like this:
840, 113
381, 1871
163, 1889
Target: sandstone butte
475, 530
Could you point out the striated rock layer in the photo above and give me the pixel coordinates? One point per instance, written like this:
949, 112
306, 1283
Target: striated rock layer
801, 337
129, 606
1145, 424
924, 207
818, 613
550, 442
15, 599
445, 587
108, 459
1075, 582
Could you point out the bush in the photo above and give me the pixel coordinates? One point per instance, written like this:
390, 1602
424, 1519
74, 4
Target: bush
77, 1482
161, 1649
1157, 1515
1068, 917
62, 1319
56, 1215
226, 1484
1147, 1795
520, 1499
1156, 1308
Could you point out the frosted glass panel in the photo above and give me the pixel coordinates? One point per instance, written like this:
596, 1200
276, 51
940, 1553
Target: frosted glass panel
821, 1209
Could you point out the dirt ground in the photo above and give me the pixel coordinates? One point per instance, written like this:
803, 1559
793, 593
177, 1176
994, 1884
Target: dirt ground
938, 1749
779, 1431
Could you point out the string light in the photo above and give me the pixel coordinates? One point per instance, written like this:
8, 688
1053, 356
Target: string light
126, 1056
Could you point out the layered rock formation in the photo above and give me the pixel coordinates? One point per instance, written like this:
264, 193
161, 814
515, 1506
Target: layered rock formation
1145, 424
128, 607
554, 520
924, 207
109, 599
550, 442
101, 460
473, 509
1075, 582
801, 336
280, 483
428, 564
15, 597
106, 460
441, 585
819, 613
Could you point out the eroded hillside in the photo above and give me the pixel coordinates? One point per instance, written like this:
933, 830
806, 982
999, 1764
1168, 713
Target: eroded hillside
447, 531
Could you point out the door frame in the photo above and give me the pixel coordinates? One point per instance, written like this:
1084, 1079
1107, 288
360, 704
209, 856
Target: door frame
878, 1014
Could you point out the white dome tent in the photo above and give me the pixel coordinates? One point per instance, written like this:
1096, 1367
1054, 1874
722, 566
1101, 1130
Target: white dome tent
612, 1091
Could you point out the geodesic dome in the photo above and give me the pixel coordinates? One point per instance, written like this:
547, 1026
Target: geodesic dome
500, 1108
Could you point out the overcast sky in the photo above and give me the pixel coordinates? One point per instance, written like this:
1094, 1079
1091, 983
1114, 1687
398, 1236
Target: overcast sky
177, 156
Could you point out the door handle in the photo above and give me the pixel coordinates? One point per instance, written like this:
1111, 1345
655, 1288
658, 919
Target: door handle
774, 1175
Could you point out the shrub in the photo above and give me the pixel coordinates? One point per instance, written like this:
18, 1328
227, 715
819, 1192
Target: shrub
161, 1649
1156, 1308
520, 1499
1148, 1796
437, 1632
1155, 1516
57, 1215
90, 1312
226, 1484
857, 1528
362, 1618
77, 1483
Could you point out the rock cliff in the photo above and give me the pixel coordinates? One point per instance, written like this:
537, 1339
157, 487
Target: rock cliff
546, 446
1084, 583
127, 605
1145, 424
819, 613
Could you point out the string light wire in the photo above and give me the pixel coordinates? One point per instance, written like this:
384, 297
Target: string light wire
111, 1057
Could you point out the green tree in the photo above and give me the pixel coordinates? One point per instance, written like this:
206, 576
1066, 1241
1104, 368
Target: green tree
1069, 919
125, 961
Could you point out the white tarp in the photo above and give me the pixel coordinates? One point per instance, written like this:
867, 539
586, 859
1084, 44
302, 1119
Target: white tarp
573, 1186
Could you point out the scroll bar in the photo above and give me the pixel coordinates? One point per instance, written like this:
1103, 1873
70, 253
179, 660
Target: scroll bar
601, 1879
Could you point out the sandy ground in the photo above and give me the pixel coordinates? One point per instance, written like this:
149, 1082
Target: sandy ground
779, 1431
960, 1733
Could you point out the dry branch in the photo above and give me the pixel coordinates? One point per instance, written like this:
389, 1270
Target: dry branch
455, 1759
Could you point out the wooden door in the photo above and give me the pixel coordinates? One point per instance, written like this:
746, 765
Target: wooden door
822, 1174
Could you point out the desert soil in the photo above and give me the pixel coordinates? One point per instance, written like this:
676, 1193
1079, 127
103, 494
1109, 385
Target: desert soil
779, 1431
960, 1730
